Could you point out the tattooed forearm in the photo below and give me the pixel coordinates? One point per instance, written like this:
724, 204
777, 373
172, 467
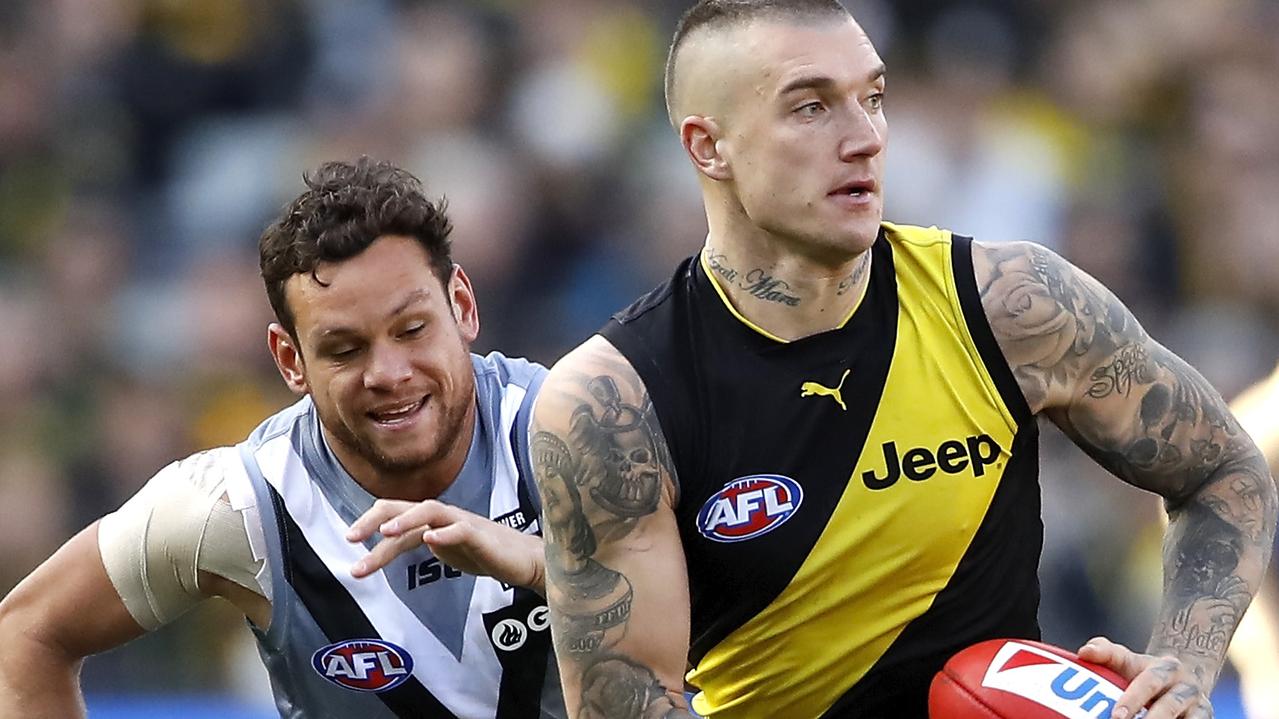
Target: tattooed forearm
1206, 557
617, 688
1147, 416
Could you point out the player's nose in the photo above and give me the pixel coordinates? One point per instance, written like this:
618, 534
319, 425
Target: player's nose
862, 138
388, 366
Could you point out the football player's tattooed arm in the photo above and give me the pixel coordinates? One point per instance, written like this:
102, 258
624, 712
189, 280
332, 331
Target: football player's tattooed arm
1255, 649
615, 574
1083, 360
64, 611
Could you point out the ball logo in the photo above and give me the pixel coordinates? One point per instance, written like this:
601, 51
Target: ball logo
1053, 681
748, 507
363, 665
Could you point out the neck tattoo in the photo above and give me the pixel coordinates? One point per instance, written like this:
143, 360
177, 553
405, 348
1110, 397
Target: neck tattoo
757, 282
855, 278
761, 285
717, 261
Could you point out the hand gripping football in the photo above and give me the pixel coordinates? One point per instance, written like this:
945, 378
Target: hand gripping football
1022, 679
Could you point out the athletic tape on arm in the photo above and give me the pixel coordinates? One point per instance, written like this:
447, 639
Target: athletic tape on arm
180, 523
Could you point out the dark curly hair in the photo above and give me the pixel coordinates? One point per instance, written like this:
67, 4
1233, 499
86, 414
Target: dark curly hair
346, 207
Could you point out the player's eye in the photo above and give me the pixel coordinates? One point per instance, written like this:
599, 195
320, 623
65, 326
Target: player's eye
810, 109
876, 101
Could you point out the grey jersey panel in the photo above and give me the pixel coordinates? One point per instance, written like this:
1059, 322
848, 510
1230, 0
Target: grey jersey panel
491, 373
442, 609
477, 648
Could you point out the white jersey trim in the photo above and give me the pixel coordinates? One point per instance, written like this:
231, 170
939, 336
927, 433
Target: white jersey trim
452, 682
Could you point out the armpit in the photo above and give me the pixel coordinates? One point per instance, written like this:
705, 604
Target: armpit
179, 524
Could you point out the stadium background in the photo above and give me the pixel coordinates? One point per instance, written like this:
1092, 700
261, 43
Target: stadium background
145, 143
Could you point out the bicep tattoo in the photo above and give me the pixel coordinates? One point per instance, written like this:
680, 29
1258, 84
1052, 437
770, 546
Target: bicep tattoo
1081, 357
601, 475
1048, 322
1149, 418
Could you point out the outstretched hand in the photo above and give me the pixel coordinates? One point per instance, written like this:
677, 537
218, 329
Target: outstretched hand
461, 539
1165, 685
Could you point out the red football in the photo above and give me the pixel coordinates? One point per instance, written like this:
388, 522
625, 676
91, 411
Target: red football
1021, 679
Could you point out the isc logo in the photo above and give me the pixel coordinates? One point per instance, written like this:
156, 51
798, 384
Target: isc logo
748, 507
432, 570
920, 463
1071, 690
364, 665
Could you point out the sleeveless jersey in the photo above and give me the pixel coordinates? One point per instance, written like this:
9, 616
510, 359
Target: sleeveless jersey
419, 638
854, 506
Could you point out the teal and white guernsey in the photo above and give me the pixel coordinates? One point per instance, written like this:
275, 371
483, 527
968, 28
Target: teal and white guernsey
418, 639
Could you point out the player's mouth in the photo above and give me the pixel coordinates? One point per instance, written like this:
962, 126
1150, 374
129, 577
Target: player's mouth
398, 415
855, 192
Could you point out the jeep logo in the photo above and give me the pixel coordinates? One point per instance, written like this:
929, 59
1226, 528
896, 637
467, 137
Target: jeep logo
920, 463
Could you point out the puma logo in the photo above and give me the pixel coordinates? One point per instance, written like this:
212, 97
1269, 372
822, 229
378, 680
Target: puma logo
808, 389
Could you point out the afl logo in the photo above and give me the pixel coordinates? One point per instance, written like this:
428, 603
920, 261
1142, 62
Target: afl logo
748, 507
363, 665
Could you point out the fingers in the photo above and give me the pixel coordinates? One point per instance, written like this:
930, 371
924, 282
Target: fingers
384, 552
1181, 700
1167, 689
393, 517
381, 511
422, 515
461, 539
450, 535
1124, 661
1163, 685
1153, 681
400, 523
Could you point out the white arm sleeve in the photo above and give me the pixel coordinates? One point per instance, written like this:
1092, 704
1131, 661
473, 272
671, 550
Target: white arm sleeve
179, 524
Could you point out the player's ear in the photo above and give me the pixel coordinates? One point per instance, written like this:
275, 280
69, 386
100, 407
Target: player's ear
701, 137
288, 358
462, 303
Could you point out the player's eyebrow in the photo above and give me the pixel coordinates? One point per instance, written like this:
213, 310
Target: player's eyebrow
807, 82
414, 297
824, 82
418, 295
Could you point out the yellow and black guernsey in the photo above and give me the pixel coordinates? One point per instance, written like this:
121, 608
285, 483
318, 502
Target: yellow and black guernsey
855, 506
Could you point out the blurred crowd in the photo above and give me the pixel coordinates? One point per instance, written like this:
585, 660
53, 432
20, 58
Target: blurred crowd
144, 145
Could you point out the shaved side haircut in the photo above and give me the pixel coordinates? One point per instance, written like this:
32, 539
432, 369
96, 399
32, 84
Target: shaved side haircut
718, 14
